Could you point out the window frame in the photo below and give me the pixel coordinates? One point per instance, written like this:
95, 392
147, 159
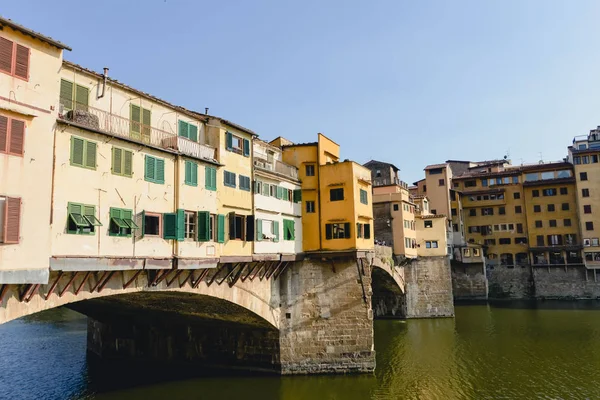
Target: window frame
310, 210
334, 194
85, 153
89, 220
157, 161
123, 163
126, 226
232, 179
13, 62
310, 168
364, 197
160, 224
190, 219
9, 136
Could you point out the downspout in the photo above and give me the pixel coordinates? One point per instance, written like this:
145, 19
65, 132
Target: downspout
252, 191
176, 205
318, 168
105, 78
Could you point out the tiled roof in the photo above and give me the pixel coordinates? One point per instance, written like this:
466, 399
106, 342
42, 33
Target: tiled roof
434, 166
382, 162
37, 35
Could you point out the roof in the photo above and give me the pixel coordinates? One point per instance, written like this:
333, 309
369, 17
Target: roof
301, 144
417, 182
234, 125
506, 172
396, 169
435, 166
7, 22
545, 166
430, 216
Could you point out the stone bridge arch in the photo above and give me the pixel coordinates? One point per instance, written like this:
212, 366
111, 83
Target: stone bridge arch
388, 286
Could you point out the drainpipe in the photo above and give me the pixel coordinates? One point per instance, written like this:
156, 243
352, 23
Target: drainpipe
105, 78
176, 201
252, 191
318, 169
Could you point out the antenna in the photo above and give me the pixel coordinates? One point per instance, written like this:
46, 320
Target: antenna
541, 158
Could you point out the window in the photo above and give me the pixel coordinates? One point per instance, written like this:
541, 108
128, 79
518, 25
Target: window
554, 240
237, 144
154, 169
14, 59
10, 219
476, 252
12, 135
472, 212
428, 223
594, 158
504, 241
453, 212
433, 211
564, 190
516, 195
364, 198
521, 240
297, 195
141, 119
378, 173
565, 206
552, 223
310, 206
518, 210
83, 153
551, 207
152, 224
363, 231
540, 240
456, 184
515, 179
237, 224
470, 184
121, 223
539, 224
535, 193
519, 228
396, 207
489, 242
589, 226
587, 209
583, 176
244, 183
337, 231
501, 210
205, 227
549, 192
122, 161
73, 96
567, 222
433, 244
229, 179
484, 182
441, 182
537, 208
585, 192
210, 178
288, 229
188, 130
190, 225
336, 194
487, 211
532, 177
424, 188
191, 173
267, 230
310, 170
81, 219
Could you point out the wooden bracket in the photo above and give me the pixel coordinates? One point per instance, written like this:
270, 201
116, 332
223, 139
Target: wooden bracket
54, 285
85, 278
135, 276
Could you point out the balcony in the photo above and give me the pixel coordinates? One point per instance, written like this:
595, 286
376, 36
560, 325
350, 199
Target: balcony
103, 121
277, 167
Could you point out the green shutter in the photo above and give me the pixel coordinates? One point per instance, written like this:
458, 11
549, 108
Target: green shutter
160, 170
115, 212
188, 172
292, 226
150, 168
77, 146
66, 94
117, 161
328, 231
246, 148
183, 129
367, 234
127, 163
146, 121
210, 178
229, 140
297, 195
135, 114
180, 224
82, 95
193, 132
347, 230
203, 226
170, 226
276, 230
90, 154
221, 228
258, 230
194, 174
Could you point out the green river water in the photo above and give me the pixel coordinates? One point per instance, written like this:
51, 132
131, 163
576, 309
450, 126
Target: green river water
513, 351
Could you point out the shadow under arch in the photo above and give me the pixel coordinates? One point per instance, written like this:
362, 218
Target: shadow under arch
388, 299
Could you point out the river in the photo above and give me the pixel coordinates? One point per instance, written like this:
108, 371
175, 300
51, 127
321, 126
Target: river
548, 351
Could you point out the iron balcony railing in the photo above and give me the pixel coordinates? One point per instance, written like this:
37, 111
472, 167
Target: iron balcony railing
128, 129
276, 166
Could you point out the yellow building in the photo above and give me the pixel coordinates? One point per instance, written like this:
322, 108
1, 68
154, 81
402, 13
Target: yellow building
431, 230
29, 84
337, 213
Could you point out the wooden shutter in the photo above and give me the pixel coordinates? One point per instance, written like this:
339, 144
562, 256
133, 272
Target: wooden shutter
3, 133
146, 121
359, 230
193, 132
194, 174
12, 219
140, 220
221, 228
292, 228
203, 224
180, 225
17, 137
246, 148
6, 55
367, 228
231, 217
259, 230
82, 95
208, 177
213, 173
117, 161
66, 94
188, 173
250, 228
229, 140
297, 195
22, 62
347, 230
183, 129
276, 231
127, 163
150, 168
77, 147
160, 170
328, 231
136, 117
170, 226
90, 154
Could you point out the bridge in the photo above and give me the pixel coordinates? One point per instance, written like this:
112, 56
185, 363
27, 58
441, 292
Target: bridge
297, 317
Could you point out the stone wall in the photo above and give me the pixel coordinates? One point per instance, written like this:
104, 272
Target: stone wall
558, 282
326, 324
469, 281
429, 288
382, 230
510, 282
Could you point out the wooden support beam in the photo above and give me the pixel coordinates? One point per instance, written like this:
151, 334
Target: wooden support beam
25, 292
278, 274
54, 285
3, 291
250, 271
268, 276
262, 276
98, 281
237, 276
179, 272
212, 278
85, 278
105, 281
33, 292
202, 276
262, 265
163, 276
60, 294
229, 273
158, 274
186, 279
135, 276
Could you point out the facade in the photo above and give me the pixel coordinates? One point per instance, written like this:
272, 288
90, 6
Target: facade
433, 235
28, 110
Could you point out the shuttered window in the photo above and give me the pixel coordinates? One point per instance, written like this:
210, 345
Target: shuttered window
204, 226
229, 179
289, 231
188, 130
244, 183
297, 195
210, 178
12, 136
122, 162
73, 96
121, 222
81, 219
10, 219
83, 153
191, 173
140, 121
364, 197
154, 169
14, 59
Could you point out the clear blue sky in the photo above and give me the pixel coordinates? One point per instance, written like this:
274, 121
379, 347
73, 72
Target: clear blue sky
408, 82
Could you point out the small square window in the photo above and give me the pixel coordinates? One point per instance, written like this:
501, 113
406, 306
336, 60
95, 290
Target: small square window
538, 224
428, 223
564, 190
310, 170
585, 192
567, 222
551, 207
587, 209
501, 210
537, 208
565, 206
472, 212
535, 193
552, 223
336, 194
441, 182
518, 210
396, 207
516, 195
310, 206
152, 224
583, 176
589, 226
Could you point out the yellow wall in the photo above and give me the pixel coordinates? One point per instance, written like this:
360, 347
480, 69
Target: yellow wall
592, 184
438, 195
329, 151
397, 195
436, 233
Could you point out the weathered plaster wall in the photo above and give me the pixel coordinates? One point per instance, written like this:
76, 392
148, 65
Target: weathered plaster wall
429, 288
469, 281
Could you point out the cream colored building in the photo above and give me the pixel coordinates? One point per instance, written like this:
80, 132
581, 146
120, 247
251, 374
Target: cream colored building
29, 83
432, 230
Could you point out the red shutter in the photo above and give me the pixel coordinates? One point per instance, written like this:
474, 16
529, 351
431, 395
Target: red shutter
3, 134
17, 137
22, 62
12, 218
6, 55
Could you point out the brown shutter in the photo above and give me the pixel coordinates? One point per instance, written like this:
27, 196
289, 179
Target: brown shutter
12, 218
22, 62
6, 55
17, 137
3, 133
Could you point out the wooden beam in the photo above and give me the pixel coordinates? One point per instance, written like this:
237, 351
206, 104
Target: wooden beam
105, 281
250, 271
93, 288
54, 285
273, 271
156, 276
85, 278
229, 273
212, 278
278, 274
135, 276
60, 294
202, 275
261, 277
3, 291
262, 265
33, 292
186, 279
25, 292
237, 276
163, 276
179, 272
